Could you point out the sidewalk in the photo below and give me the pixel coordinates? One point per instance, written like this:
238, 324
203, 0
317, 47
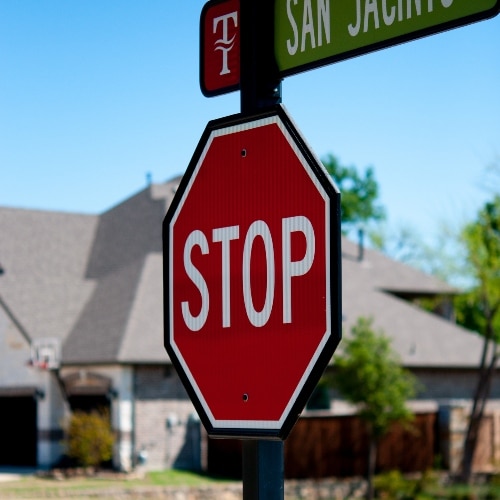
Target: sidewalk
15, 473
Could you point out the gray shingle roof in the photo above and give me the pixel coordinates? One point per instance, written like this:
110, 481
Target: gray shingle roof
97, 335
96, 283
44, 255
370, 288
118, 322
143, 337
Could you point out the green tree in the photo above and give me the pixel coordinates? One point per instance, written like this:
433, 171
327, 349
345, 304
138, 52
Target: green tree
479, 310
90, 438
368, 373
359, 193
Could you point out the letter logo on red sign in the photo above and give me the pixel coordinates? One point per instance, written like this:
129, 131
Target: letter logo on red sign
220, 47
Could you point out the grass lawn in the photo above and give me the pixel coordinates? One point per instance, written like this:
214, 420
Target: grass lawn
155, 485
104, 486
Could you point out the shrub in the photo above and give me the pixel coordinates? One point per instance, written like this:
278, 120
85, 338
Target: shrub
89, 438
392, 485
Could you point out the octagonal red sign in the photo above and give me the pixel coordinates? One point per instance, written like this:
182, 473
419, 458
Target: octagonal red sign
252, 275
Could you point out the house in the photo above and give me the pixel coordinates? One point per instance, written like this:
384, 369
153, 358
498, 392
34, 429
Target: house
81, 296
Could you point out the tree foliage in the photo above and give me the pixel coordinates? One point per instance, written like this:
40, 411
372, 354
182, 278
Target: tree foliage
479, 310
369, 374
359, 192
442, 256
90, 438
482, 241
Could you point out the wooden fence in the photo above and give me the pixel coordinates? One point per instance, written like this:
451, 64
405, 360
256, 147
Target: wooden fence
337, 446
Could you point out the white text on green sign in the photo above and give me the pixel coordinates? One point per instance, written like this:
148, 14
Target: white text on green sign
311, 33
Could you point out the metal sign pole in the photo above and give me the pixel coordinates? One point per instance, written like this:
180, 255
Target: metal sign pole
260, 82
263, 462
263, 470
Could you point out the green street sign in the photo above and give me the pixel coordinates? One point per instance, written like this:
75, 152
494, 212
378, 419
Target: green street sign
313, 33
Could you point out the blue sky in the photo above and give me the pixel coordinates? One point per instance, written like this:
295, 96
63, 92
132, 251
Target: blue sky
96, 94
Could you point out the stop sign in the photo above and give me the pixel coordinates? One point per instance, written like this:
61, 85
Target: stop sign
252, 275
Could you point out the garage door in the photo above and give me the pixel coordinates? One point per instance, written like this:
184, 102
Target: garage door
18, 431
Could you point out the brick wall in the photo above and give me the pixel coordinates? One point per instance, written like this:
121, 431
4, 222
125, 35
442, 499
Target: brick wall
453, 421
337, 446
167, 432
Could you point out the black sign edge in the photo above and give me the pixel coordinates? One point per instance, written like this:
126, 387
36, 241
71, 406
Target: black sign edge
166, 277
333, 341
193, 396
335, 268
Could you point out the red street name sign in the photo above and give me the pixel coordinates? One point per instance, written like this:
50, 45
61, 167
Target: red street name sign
252, 275
220, 47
